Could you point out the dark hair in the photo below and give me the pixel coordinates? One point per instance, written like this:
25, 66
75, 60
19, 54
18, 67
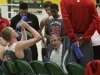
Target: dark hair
23, 6
54, 6
47, 4
6, 34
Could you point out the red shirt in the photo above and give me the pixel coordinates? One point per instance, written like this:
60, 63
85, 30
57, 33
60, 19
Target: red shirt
3, 23
79, 17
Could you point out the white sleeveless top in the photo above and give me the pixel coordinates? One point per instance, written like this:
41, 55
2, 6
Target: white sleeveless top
12, 47
95, 39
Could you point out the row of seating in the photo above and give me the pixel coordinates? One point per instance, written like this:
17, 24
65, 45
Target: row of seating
40, 68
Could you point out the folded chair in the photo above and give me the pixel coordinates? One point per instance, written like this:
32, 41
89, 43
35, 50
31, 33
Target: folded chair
53, 68
11, 67
75, 69
39, 68
1, 71
24, 67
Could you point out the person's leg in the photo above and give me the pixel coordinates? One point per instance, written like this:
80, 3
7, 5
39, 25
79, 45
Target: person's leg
44, 53
49, 50
34, 52
67, 54
96, 50
87, 51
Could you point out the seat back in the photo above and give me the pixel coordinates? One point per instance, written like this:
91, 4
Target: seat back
75, 69
11, 66
24, 67
38, 67
1, 71
53, 68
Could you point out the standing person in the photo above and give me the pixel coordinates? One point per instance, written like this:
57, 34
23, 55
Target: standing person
32, 21
3, 23
80, 19
54, 25
46, 6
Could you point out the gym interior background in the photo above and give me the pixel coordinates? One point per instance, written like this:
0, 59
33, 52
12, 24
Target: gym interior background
10, 8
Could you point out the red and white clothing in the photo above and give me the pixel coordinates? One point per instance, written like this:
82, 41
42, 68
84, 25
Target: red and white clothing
93, 68
3, 23
80, 19
79, 16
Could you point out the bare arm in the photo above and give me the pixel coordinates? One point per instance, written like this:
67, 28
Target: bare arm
46, 29
2, 42
2, 52
42, 25
27, 43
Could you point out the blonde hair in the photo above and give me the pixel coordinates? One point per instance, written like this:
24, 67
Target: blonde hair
6, 34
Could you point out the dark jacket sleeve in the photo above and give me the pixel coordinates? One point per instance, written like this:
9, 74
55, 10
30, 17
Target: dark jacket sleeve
36, 23
13, 23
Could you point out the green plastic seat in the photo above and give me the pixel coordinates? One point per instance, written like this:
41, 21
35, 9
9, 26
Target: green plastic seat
11, 66
24, 67
53, 68
39, 68
1, 71
75, 69
78, 65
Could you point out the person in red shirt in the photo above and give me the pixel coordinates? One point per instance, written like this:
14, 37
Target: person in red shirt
80, 19
3, 23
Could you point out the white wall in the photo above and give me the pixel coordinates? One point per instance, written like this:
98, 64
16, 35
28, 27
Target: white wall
4, 10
